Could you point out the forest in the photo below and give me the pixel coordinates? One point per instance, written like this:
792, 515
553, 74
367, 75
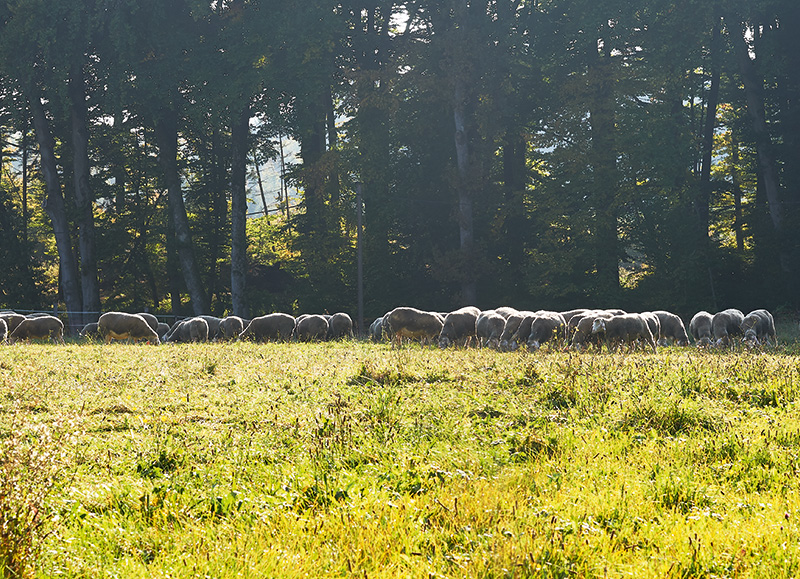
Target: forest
532, 153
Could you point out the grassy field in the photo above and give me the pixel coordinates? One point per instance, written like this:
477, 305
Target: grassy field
351, 459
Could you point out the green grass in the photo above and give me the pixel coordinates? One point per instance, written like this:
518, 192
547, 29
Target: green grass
337, 460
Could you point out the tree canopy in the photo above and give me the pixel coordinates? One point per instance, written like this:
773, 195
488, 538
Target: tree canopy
538, 154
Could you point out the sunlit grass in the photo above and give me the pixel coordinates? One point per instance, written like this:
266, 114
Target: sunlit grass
350, 459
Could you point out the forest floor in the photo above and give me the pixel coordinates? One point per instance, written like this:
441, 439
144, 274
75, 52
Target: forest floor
354, 459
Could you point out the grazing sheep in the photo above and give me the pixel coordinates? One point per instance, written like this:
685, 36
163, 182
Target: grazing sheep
3, 331
672, 329
726, 325
508, 337
583, 334
213, 326
91, 331
624, 328
123, 326
759, 326
38, 328
506, 311
12, 320
654, 323
488, 328
617, 312
376, 330
340, 325
230, 327
413, 324
162, 329
151, 320
278, 327
191, 330
545, 327
311, 327
459, 327
700, 327
569, 314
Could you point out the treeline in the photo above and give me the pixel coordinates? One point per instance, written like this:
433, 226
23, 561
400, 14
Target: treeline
561, 153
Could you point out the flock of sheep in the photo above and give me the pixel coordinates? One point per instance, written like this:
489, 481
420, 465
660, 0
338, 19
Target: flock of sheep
508, 329
502, 328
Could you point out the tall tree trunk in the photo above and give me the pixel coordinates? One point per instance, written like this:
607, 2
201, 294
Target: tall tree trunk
469, 289
166, 129
465, 155
704, 197
767, 162
25, 195
219, 212
84, 199
240, 129
736, 189
173, 275
56, 209
604, 169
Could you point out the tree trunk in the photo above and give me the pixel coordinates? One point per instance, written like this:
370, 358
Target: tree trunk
219, 212
754, 95
469, 291
704, 197
239, 135
604, 168
736, 189
84, 199
167, 137
56, 209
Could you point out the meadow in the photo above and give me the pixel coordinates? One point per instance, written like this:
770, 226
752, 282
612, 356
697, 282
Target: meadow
358, 460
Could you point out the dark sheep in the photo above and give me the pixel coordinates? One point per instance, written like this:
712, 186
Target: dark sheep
340, 325
508, 337
569, 314
459, 327
162, 329
700, 327
726, 326
151, 320
523, 330
672, 329
506, 311
38, 328
213, 326
191, 330
413, 324
230, 327
124, 326
91, 331
654, 323
12, 320
311, 327
625, 328
546, 327
376, 330
488, 328
277, 327
759, 326
583, 335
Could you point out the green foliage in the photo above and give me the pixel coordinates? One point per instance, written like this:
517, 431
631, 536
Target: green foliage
584, 166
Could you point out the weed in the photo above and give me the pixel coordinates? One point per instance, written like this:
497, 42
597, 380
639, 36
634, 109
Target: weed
33, 457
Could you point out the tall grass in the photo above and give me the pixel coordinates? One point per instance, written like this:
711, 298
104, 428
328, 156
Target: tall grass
290, 460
